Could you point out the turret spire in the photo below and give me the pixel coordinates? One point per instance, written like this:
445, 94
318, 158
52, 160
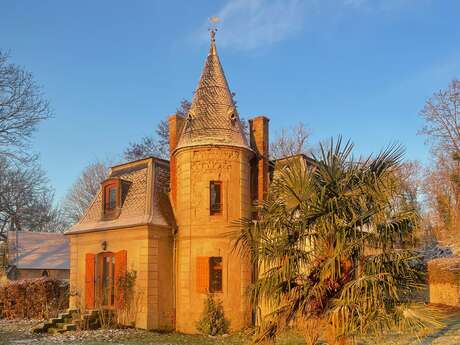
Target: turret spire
213, 117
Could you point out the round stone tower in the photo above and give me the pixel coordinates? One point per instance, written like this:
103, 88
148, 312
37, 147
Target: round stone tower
210, 188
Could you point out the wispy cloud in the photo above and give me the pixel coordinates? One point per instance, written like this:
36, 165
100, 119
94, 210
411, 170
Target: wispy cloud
251, 24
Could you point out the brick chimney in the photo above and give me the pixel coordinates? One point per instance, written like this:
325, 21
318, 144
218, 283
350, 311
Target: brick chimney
258, 127
175, 124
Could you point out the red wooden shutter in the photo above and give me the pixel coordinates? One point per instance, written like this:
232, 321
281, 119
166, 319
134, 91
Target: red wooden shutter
121, 258
202, 274
89, 280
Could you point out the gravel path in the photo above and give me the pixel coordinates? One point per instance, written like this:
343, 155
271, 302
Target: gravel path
20, 332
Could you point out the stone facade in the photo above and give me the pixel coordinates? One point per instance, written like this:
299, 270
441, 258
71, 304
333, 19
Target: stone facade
202, 234
164, 225
148, 248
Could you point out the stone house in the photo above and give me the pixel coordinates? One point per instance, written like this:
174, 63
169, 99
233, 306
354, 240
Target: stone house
37, 254
169, 220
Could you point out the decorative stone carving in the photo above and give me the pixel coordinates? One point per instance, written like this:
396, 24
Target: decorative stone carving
216, 155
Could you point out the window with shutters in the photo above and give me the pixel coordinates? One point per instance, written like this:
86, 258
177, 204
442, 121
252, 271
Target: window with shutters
215, 274
105, 280
215, 197
105, 272
209, 274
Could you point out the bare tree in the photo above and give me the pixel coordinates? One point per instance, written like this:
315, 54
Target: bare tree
22, 107
290, 141
442, 181
83, 191
410, 176
26, 200
442, 118
157, 144
441, 189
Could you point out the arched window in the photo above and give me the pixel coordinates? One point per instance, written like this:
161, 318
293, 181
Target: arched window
105, 279
111, 198
45, 273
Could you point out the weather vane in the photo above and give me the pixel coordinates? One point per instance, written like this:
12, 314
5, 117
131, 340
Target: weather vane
213, 26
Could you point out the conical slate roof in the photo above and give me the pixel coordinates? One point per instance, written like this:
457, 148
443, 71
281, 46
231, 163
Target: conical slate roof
213, 118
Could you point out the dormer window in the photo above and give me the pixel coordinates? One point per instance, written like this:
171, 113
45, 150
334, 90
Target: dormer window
111, 198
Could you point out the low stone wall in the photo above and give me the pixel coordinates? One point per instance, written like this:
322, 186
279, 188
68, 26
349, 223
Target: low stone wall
444, 281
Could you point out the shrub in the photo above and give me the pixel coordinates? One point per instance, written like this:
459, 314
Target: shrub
212, 320
33, 298
129, 301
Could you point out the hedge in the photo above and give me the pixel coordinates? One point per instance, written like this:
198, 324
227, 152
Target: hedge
40, 298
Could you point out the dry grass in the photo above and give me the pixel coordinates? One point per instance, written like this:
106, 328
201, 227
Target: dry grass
10, 332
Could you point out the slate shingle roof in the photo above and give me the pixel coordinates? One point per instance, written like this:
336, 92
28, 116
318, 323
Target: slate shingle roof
38, 250
145, 198
213, 117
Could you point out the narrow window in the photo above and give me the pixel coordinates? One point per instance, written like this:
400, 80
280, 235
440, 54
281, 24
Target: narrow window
106, 279
215, 274
215, 197
111, 196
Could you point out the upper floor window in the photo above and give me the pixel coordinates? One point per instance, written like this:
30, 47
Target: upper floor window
215, 197
111, 197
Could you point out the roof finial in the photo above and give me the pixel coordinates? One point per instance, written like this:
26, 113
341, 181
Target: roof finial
213, 27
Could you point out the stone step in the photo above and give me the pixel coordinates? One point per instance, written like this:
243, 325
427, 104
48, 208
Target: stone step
70, 327
52, 330
64, 315
67, 321
44, 326
55, 320
94, 324
92, 312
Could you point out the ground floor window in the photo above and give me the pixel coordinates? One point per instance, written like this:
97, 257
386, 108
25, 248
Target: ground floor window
215, 274
209, 274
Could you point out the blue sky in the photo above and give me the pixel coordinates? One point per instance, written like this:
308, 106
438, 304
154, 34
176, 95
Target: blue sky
113, 69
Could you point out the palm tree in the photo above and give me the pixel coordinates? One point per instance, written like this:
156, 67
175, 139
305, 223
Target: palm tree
334, 244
